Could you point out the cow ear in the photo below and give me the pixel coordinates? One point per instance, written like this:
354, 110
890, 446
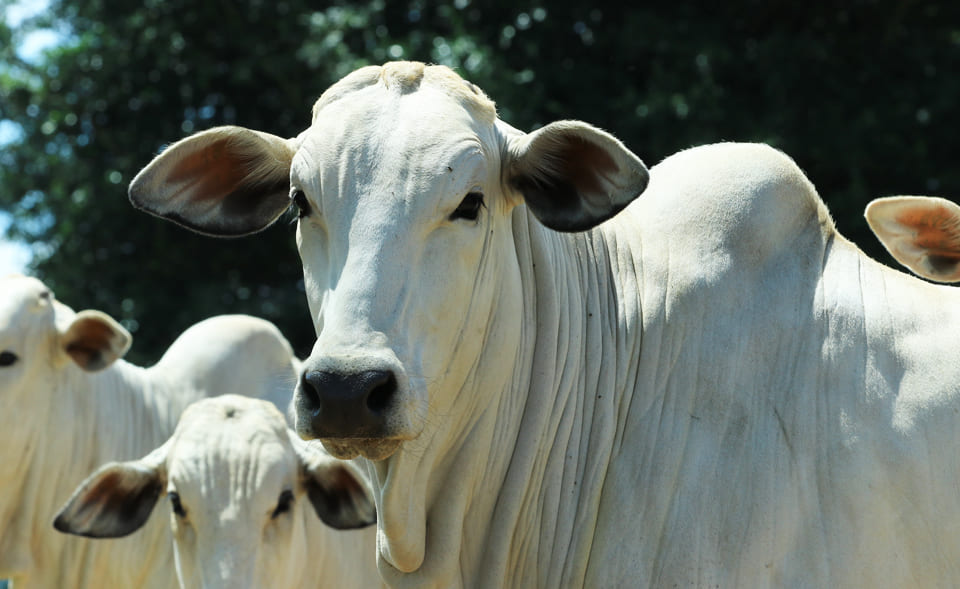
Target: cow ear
920, 232
113, 502
337, 490
226, 181
94, 340
572, 175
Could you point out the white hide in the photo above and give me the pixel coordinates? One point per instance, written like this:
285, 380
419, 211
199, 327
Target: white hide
239, 487
58, 421
713, 388
920, 232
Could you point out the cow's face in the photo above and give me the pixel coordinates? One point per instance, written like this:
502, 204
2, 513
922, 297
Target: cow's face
405, 183
402, 219
241, 491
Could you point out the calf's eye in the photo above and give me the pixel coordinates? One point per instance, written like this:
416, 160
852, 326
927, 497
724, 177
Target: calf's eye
7, 358
283, 503
176, 505
469, 207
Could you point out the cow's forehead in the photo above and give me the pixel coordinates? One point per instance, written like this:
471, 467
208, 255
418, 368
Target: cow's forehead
22, 293
381, 146
229, 437
401, 78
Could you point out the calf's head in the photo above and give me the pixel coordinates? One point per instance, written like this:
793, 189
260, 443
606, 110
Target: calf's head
235, 477
405, 186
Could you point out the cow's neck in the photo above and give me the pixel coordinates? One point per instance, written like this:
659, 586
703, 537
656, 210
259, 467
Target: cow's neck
508, 497
112, 415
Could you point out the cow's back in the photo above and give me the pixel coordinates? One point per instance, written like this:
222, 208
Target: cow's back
792, 414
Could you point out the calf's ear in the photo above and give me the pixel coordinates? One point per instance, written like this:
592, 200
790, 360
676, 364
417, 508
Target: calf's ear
113, 502
337, 490
572, 175
920, 232
94, 340
226, 181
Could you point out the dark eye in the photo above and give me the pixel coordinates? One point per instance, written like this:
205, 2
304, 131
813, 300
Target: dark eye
283, 503
469, 208
176, 505
7, 358
299, 199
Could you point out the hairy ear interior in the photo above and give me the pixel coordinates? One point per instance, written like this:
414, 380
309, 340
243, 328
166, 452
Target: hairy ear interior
574, 176
113, 502
94, 340
920, 232
226, 181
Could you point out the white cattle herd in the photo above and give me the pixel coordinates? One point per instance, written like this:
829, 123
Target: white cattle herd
524, 374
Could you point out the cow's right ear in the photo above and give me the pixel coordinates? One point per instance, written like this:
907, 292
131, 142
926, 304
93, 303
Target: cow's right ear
94, 340
226, 181
114, 501
920, 232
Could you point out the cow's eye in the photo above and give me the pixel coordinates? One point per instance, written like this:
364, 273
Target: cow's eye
299, 200
176, 505
283, 503
469, 208
7, 358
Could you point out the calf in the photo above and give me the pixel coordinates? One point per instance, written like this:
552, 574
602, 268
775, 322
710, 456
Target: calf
243, 489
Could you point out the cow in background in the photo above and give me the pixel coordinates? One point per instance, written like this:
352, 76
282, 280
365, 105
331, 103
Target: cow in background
69, 403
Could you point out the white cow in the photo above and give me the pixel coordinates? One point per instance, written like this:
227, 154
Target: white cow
920, 232
68, 403
713, 388
245, 493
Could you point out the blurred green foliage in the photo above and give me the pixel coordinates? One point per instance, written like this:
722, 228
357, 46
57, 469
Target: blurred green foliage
863, 94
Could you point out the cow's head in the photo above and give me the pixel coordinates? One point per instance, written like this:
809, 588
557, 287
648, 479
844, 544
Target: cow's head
405, 185
237, 481
46, 351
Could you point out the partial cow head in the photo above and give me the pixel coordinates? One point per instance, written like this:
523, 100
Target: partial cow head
237, 480
405, 184
45, 349
920, 232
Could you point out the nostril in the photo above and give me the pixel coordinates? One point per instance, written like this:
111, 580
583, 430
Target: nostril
382, 392
309, 392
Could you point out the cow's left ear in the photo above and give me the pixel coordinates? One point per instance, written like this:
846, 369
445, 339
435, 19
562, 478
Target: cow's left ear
113, 502
226, 181
337, 490
94, 340
920, 232
572, 175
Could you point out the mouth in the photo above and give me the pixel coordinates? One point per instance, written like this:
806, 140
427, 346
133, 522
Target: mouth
369, 448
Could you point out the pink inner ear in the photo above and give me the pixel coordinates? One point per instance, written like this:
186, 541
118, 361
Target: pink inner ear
936, 228
212, 172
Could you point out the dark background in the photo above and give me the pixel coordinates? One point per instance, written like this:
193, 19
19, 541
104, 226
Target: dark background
862, 94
